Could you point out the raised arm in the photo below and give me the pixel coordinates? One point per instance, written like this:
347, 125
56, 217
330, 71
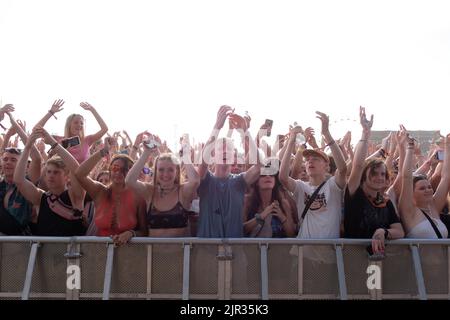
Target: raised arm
77, 193
34, 171
143, 189
440, 196
56, 107
6, 108
360, 153
222, 115
335, 150
93, 188
283, 175
298, 162
190, 187
406, 206
103, 127
27, 188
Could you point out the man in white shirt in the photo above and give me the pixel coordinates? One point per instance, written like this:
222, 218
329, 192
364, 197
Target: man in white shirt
322, 220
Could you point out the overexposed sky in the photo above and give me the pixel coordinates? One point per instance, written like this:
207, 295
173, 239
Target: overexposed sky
166, 66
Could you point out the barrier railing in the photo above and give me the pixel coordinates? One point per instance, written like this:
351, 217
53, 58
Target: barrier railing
193, 268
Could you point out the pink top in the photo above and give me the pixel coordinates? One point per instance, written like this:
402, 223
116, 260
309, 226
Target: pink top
81, 152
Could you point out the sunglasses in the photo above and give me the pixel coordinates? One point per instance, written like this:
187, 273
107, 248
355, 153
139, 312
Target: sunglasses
16, 151
116, 168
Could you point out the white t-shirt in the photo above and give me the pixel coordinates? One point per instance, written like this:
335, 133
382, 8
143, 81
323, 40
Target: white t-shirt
323, 219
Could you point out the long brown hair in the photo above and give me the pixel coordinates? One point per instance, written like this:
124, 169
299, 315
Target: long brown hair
371, 166
127, 162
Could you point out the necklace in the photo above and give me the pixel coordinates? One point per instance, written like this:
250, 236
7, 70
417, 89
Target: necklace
165, 192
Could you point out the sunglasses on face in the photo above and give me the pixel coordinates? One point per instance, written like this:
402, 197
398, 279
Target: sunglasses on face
116, 168
16, 151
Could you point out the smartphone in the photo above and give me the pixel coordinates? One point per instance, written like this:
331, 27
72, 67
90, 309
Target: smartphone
70, 142
268, 124
440, 155
152, 144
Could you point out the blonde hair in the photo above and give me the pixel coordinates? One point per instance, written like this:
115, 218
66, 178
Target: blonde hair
171, 158
69, 120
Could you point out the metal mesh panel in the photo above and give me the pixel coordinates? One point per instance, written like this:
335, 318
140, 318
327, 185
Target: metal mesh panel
246, 270
434, 259
320, 276
283, 277
92, 265
398, 271
204, 269
50, 269
355, 266
167, 268
13, 266
130, 269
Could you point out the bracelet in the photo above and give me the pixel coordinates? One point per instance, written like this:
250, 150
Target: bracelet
259, 219
53, 146
135, 148
362, 140
331, 143
53, 114
132, 232
386, 233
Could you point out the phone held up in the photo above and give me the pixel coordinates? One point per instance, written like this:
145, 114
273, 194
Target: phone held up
70, 142
268, 124
440, 155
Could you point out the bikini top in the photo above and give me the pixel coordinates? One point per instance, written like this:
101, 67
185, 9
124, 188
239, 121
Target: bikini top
177, 217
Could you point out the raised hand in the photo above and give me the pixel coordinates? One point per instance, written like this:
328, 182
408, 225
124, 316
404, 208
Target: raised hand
293, 131
238, 121
87, 106
247, 119
7, 108
222, 114
33, 137
23, 125
366, 124
40, 145
48, 139
57, 106
402, 136
325, 121
385, 142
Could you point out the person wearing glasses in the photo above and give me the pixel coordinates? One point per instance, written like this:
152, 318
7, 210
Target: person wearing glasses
419, 205
119, 212
167, 197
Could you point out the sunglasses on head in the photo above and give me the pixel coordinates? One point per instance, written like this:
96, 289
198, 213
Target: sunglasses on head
14, 151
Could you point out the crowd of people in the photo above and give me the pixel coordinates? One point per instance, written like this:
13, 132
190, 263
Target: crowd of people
74, 185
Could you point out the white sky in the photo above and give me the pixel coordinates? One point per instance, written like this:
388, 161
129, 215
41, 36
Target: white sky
167, 66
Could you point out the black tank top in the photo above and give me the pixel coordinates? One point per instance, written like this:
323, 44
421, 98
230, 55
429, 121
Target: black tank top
177, 217
57, 217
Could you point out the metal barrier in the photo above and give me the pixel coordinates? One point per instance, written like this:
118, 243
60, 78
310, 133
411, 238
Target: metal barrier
194, 268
